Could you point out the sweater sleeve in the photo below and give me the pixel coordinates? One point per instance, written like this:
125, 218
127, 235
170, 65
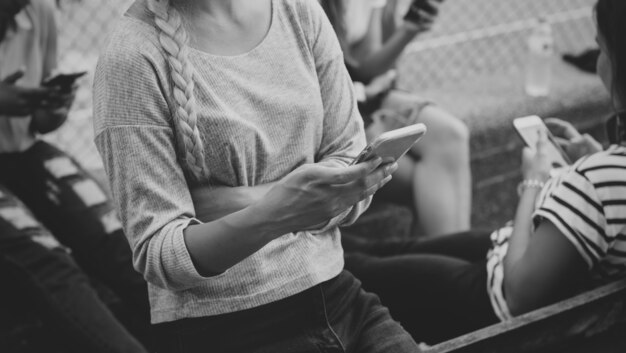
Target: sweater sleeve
137, 146
343, 136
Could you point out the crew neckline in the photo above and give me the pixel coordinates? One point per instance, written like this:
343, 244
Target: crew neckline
257, 47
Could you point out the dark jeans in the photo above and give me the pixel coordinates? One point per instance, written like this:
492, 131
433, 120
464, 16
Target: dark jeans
436, 288
335, 316
43, 193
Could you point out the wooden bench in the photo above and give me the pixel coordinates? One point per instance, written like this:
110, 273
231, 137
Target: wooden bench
594, 321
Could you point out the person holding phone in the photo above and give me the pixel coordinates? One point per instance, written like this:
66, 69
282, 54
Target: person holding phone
434, 179
567, 235
53, 214
246, 108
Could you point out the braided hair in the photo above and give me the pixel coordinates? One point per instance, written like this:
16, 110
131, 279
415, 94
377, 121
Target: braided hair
8, 10
174, 40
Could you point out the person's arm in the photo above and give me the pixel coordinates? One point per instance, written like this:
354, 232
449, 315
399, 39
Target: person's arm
382, 56
543, 265
535, 171
16, 101
48, 119
367, 67
549, 269
211, 203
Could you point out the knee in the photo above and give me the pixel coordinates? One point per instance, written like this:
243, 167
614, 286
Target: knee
448, 127
447, 135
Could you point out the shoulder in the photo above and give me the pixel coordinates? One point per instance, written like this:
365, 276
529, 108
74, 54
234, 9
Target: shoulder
131, 38
132, 48
604, 167
131, 82
308, 12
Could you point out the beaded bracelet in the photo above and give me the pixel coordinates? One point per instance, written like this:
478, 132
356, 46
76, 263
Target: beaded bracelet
529, 184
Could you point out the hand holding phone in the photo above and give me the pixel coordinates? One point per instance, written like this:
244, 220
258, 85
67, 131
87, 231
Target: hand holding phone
422, 13
528, 128
392, 145
18, 101
63, 81
572, 142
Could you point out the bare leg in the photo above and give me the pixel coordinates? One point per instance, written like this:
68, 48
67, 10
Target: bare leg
441, 181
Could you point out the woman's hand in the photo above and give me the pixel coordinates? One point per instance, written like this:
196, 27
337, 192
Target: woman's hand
312, 194
575, 144
52, 117
22, 101
536, 164
421, 15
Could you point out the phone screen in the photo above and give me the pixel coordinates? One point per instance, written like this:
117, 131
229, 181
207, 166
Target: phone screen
528, 129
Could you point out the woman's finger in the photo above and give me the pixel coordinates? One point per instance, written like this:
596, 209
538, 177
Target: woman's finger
542, 143
563, 143
562, 128
334, 175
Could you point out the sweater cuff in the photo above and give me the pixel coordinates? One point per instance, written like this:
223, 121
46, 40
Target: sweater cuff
185, 271
332, 223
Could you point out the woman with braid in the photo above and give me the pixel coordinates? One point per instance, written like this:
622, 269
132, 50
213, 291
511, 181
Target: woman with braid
227, 128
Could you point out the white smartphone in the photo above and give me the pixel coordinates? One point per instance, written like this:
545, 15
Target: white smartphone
528, 128
392, 144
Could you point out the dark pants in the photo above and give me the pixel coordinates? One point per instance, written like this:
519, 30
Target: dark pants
335, 316
44, 192
436, 288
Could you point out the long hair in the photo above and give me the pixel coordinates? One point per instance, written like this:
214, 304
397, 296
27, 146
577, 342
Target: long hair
611, 18
174, 40
8, 10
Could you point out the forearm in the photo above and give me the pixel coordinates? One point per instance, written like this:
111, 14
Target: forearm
384, 59
522, 228
216, 246
214, 203
516, 277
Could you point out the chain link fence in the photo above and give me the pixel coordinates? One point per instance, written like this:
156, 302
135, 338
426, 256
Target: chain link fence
471, 37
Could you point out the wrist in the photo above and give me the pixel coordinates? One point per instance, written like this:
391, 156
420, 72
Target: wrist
268, 222
530, 184
409, 30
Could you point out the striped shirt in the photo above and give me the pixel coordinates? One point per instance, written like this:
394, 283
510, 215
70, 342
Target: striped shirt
587, 203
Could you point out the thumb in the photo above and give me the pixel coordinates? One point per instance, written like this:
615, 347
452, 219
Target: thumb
542, 142
350, 173
563, 143
12, 78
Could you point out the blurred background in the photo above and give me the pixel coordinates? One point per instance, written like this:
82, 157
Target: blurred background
471, 38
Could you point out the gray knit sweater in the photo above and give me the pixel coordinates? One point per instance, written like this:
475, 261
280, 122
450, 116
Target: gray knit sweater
287, 102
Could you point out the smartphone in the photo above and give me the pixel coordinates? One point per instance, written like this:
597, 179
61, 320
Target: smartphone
392, 144
64, 81
528, 128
